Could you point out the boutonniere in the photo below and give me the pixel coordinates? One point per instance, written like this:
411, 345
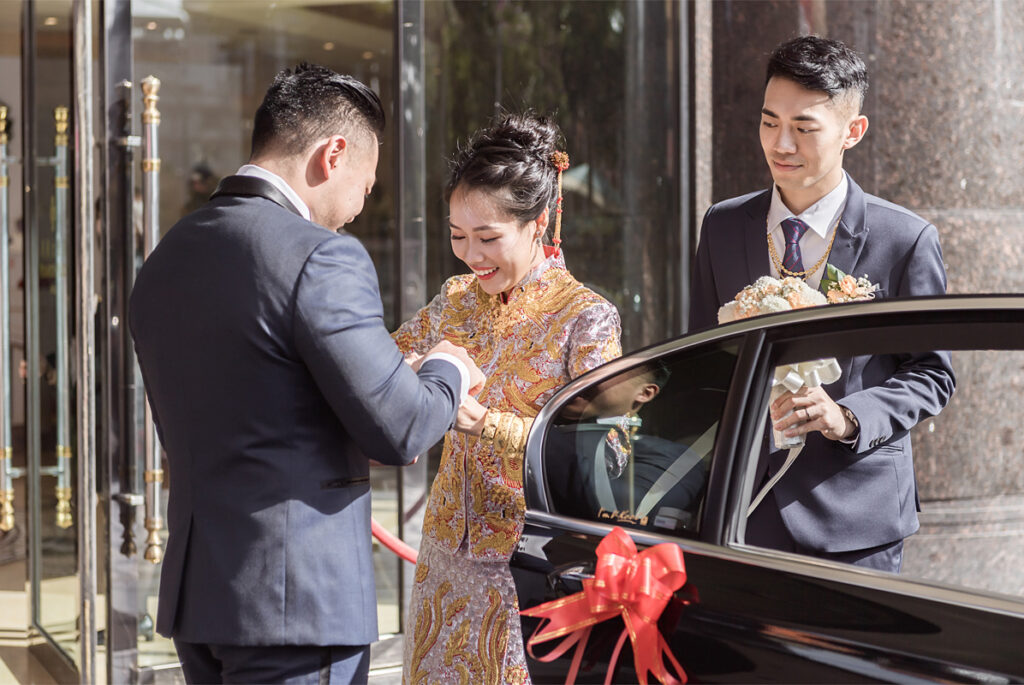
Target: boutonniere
841, 287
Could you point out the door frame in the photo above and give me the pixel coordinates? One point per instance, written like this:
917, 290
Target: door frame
81, 236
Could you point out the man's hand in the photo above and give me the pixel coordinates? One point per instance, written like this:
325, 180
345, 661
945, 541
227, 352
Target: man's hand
813, 410
470, 418
476, 376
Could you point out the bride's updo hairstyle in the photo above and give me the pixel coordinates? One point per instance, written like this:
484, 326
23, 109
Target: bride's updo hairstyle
517, 160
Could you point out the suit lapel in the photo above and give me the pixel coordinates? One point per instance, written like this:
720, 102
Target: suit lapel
851, 234
755, 233
845, 255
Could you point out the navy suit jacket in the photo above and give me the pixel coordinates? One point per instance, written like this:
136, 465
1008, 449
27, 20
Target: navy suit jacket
839, 497
272, 378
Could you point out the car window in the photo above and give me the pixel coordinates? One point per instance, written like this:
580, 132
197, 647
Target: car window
634, 449
970, 476
942, 472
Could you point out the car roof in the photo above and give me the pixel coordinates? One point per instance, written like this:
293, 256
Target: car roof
940, 305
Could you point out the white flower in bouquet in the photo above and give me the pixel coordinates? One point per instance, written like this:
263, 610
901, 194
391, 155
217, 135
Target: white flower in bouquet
769, 295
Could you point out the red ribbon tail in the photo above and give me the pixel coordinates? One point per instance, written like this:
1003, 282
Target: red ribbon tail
615, 657
584, 635
661, 671
563, 646
578, 638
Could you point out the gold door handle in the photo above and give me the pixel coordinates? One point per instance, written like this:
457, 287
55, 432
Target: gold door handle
63, 488
154, 475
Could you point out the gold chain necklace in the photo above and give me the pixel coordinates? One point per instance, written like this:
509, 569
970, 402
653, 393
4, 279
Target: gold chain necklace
806, 272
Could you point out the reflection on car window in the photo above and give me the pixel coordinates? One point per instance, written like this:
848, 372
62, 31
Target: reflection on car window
846, 491
970, 476
635, 449
940, 482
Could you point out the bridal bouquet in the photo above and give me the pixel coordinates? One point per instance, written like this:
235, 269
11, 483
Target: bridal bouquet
768, 295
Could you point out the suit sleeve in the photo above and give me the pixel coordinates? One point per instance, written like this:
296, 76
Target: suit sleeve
391, 412
922, 383
704, 302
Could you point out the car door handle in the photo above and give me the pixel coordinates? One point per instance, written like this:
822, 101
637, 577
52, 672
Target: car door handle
570, 578
577, 574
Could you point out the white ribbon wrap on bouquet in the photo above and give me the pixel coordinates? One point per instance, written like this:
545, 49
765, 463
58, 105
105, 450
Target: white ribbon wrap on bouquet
792, 377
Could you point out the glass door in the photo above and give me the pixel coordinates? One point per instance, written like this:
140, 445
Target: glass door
46, 341
182, 80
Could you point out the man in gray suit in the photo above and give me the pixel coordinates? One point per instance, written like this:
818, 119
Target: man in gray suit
851, 494
259, 330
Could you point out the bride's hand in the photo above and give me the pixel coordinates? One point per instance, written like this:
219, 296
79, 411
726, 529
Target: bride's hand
476, 376
470, 417
414, 360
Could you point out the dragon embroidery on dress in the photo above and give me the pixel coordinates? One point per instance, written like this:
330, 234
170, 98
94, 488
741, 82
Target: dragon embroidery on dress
550, 330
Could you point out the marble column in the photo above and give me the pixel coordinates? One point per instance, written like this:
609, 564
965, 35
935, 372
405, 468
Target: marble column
945, 105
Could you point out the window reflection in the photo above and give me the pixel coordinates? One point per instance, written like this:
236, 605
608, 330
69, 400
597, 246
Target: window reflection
972, 509
635, 448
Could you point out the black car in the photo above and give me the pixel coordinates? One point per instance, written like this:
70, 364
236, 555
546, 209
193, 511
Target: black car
748, 614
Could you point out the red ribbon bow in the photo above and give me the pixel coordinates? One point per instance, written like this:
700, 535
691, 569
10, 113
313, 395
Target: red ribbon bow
636, 586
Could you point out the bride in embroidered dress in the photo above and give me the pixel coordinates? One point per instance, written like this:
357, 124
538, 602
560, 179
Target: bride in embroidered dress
530, 327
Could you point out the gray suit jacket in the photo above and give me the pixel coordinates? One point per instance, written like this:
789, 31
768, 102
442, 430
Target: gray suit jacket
839, 497
272, 378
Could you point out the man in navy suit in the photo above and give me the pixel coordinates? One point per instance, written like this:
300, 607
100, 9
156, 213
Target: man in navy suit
851, 494
259, 330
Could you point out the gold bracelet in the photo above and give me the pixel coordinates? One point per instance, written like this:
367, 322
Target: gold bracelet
501, 435
511, 459
513, 444
490, 426
527, 425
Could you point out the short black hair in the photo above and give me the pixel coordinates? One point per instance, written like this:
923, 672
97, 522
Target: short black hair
312, 102
658, 372
820, 64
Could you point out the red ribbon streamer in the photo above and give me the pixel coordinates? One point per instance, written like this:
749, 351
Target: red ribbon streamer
393, 543
637, 586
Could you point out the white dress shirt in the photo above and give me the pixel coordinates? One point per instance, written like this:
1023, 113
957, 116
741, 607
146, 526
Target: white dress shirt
821, 217
279, 183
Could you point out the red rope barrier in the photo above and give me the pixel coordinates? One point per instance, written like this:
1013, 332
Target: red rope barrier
392, 542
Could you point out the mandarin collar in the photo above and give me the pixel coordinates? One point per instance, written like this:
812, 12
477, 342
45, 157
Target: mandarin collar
553, 260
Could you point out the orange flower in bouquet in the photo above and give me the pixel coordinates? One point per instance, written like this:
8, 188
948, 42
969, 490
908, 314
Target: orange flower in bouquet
850, 289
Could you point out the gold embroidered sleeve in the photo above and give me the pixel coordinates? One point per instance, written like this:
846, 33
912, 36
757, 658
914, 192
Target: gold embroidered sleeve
506, 432
595, 338
421, 333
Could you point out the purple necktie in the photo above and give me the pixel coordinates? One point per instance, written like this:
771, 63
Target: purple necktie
793, 229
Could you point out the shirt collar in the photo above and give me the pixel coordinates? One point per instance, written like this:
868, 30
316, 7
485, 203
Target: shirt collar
820, 216
277, 182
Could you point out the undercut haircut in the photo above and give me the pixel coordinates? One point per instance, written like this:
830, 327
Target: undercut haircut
309, 103
821, 64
